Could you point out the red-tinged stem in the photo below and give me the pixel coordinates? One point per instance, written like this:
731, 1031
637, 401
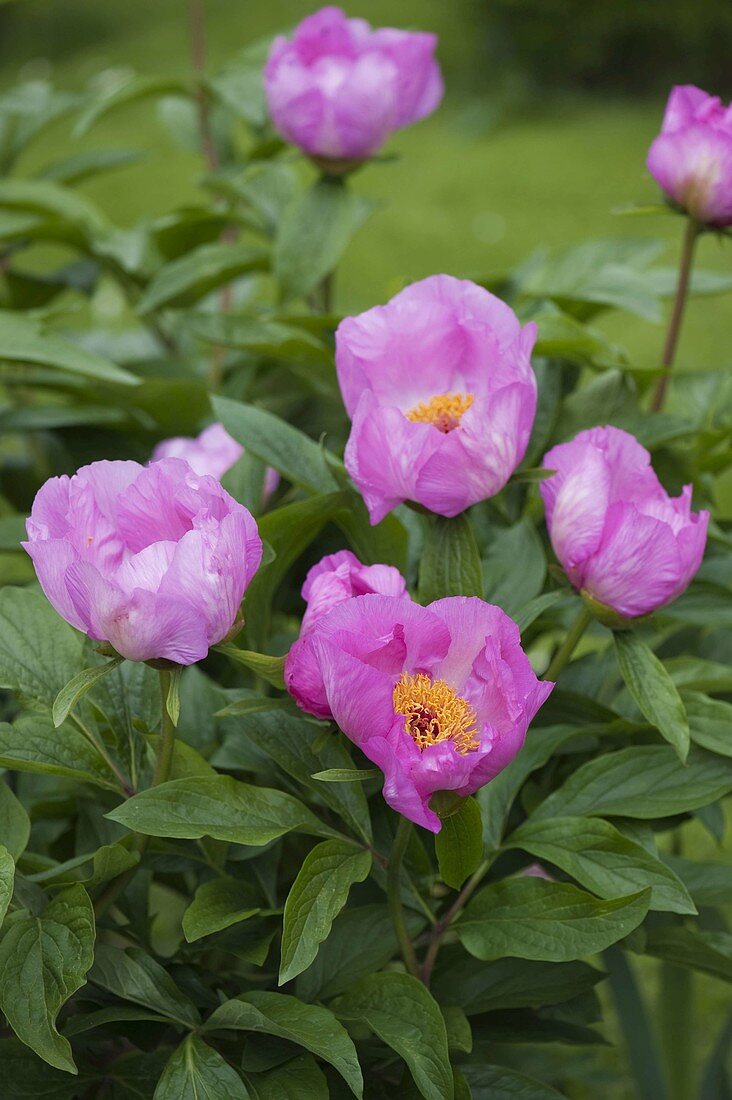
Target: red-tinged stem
677, 313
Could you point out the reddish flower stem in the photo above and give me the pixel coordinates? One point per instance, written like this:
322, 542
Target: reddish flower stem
677, 313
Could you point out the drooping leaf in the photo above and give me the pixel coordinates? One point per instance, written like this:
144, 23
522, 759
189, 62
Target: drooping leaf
109, 861
77, 688
267, 668
316, 897
135, 976
310, 1026
710, 952
218, 904
23, 341
401, 1011
195, 1071
653, 690
131, 89
187, 279
43, 961
534, 919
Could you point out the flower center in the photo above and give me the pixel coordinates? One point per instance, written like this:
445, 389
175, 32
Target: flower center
434, 713
444, 411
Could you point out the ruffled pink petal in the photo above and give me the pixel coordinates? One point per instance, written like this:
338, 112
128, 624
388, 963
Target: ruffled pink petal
338, 577
304, 679
576, 505
49, 518
52, 559
359, 695
213, 452
686, 103
693, 165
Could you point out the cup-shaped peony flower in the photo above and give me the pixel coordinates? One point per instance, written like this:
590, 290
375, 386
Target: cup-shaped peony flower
212, 452
621, 539
691, 159
341, 576
152, 559
438, 697
337, 89
440, 390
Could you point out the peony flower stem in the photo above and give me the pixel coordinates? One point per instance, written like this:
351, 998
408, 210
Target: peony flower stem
443, 924
677, 313
393, 889
568, 646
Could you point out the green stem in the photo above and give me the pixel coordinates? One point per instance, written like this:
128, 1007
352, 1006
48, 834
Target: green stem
161, 774
677, 313
568, 646
394, 894
443, 924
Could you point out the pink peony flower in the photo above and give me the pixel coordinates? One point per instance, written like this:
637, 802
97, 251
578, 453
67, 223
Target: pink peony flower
212, 452
691, 159
438, 697
338, 88
153, 560
439, 386
618, 534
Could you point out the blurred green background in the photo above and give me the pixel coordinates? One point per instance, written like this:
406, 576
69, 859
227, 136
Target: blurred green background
549, 111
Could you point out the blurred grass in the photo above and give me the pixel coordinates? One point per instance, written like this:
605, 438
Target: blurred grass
474, 190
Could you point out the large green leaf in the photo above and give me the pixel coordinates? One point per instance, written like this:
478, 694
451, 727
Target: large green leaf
316, 897
459, 843
219, 807
299, 1079
39, 652
33, 744
710, 722
531, 918
312, 236
653, 690
109, 861
185, 280
7, 875
14, 822
219, 904
644, 781
710, 952
135, 976
78, 687
92, 162
514, 567
509, 983
131, 89
43, 960
197, 1072
499, 1083
450, 564
600, 858
309, 1026
23, 341
708, 883
401, 1011
26, 1077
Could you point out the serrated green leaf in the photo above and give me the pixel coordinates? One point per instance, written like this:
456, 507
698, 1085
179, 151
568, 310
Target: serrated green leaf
195, 1071
310, 1026
14, 822
43, 961
601, 859
459, 843
218, 904
653, 690
534, 919
401, 1011
219, 807
316, 897
450, 564
135, 976
77, 688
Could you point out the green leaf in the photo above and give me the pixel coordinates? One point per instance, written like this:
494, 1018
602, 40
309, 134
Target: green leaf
309, 1026
92, 162
361, 941
530, 612
710, 952
185, 280
217, 905
135, 976
710, 884
653, 690
636, 1026
534, 919
459, 843
32, 744
710, 722
450, 564
255, 704
77, 688
697, 674
130, 90
509, 983
600, 858
98, 867
316, 897
272, 339
514, 567
313, 235
401, 1011
219, 807
499, 1083
346, 775
7, 876
43, 961
26, 1077
52, 201
39, 652
23, 341
196, 1072
267, 668
295, 455
299, 1079
644, 781
14, 822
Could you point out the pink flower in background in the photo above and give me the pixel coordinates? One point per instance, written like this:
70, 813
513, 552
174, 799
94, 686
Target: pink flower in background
620, 537
691, 159
212, 452
438, 697
335, 579
338, 89
440, 389
154, 560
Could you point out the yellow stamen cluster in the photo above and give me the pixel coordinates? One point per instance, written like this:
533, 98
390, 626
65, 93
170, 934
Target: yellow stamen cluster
444, 411
435, 713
